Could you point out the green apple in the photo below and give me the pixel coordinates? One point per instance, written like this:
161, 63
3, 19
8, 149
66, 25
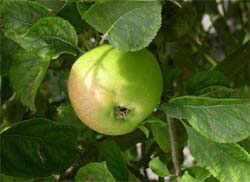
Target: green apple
113, 91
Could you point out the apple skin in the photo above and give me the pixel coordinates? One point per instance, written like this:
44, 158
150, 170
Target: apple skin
113, 91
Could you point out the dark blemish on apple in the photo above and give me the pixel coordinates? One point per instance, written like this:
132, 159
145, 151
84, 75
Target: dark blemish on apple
121, 112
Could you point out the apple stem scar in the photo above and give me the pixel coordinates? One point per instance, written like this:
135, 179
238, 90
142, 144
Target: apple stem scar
121, 112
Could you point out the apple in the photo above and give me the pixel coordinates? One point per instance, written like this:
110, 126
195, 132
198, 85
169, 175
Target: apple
113, 91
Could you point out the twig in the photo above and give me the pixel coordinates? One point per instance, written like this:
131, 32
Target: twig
174, 150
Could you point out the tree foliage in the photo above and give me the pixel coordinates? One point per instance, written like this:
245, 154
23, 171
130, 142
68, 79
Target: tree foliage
203, 48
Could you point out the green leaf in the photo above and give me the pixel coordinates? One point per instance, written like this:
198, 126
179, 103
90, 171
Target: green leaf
28, 24
5, 90
196, 174
158, 167
94, 172
225, 92
6, 53
10, 108
132, 178
175, 2
245, 144
221, 120
189, 177
216, 92
26, 74
169, 76
66, 116
37, 148
110, 152
186, 177
160, 133
131, 154
47, 179
70, 12
212, 179
227, 162
53, 5
5, 178
205, 79
19, 15
82, 7
243, 92
145, 130
55, 82
130, 140
126, 24
50, 37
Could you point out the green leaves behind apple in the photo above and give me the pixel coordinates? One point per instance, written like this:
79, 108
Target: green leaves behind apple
110, 152
36, 147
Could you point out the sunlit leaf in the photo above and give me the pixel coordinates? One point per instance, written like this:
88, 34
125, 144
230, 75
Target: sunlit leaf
227, 162
221, 120
126, 24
